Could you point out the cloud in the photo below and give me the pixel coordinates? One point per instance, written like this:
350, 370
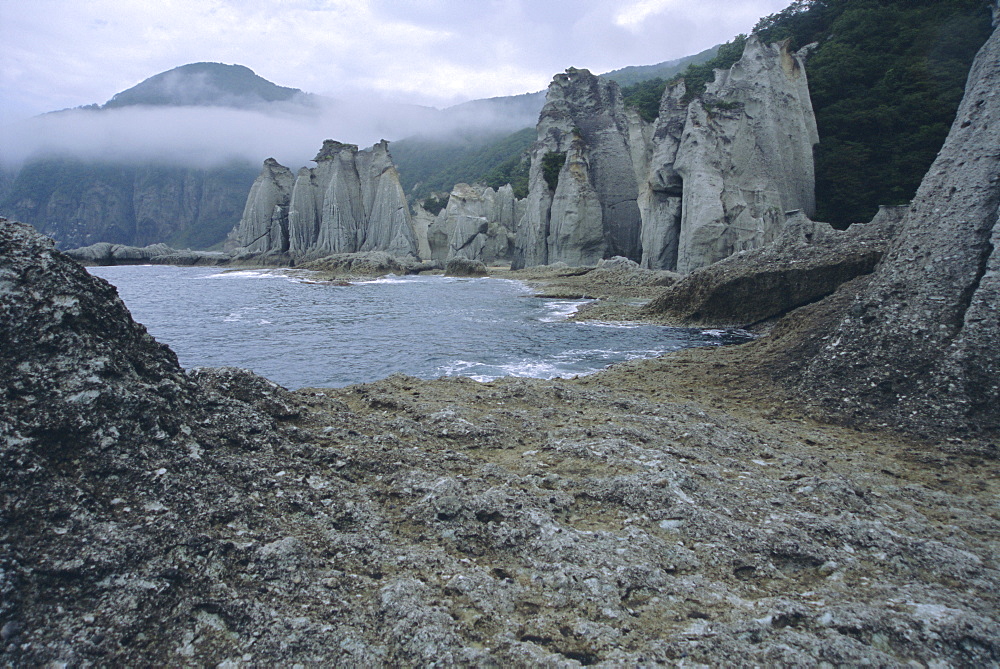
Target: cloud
61, 54
205, 136
633, 15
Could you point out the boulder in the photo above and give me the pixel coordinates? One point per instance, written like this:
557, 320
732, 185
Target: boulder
806, 263
465, 267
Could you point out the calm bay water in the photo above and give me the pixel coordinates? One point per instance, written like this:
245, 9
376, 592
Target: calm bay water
298, 333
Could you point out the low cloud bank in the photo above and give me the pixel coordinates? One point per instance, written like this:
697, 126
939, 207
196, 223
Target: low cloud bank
205, 136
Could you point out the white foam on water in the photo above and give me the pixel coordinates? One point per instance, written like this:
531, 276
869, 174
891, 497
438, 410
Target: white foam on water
561, 310
247, 274
624, 325
388, 278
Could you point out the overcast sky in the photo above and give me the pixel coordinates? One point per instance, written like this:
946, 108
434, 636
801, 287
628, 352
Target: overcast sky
66, 53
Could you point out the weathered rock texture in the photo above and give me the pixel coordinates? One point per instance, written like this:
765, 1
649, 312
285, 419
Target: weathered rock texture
744, 158
104, 253
590, 211
351, 202
921, 344
482, 222
807, 262
478, 223
711, 177
156, 517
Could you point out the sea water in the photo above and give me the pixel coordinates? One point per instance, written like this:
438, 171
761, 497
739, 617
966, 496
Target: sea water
298, 332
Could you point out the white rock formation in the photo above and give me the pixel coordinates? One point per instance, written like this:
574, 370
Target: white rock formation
481, 221
745, 157
591, 211
350, 202
710, 177
260, 228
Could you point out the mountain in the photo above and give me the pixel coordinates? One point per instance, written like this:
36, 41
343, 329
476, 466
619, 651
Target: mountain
204, 85
635, 74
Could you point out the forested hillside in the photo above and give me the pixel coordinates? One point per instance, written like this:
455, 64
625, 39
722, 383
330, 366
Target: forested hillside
429, 166
886, 79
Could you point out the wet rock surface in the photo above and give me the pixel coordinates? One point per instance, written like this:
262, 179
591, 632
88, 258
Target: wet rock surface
647, 514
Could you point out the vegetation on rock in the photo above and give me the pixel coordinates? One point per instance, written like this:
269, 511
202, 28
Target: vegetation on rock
885, 80
428, 165
552, 163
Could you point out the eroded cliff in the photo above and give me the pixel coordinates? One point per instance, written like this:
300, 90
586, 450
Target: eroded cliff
583, 191
351, 202
712, 176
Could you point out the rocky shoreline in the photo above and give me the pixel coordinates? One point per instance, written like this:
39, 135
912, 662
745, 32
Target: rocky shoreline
823, 495
669, 511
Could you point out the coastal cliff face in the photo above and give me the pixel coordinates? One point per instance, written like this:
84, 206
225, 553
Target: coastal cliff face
351, 202
582, 198
710, 177
79, 203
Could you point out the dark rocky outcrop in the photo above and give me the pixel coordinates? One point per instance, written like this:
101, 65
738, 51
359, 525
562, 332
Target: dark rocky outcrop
368, 264
806, 263
465, 267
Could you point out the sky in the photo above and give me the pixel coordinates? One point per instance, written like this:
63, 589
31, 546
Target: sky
66, 53
62, 54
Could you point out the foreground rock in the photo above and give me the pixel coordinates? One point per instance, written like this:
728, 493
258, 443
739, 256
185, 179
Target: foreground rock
808, 262
153, 516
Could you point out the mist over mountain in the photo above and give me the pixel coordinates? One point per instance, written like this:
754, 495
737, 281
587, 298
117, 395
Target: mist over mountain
203, 85
207, 114
172, 158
